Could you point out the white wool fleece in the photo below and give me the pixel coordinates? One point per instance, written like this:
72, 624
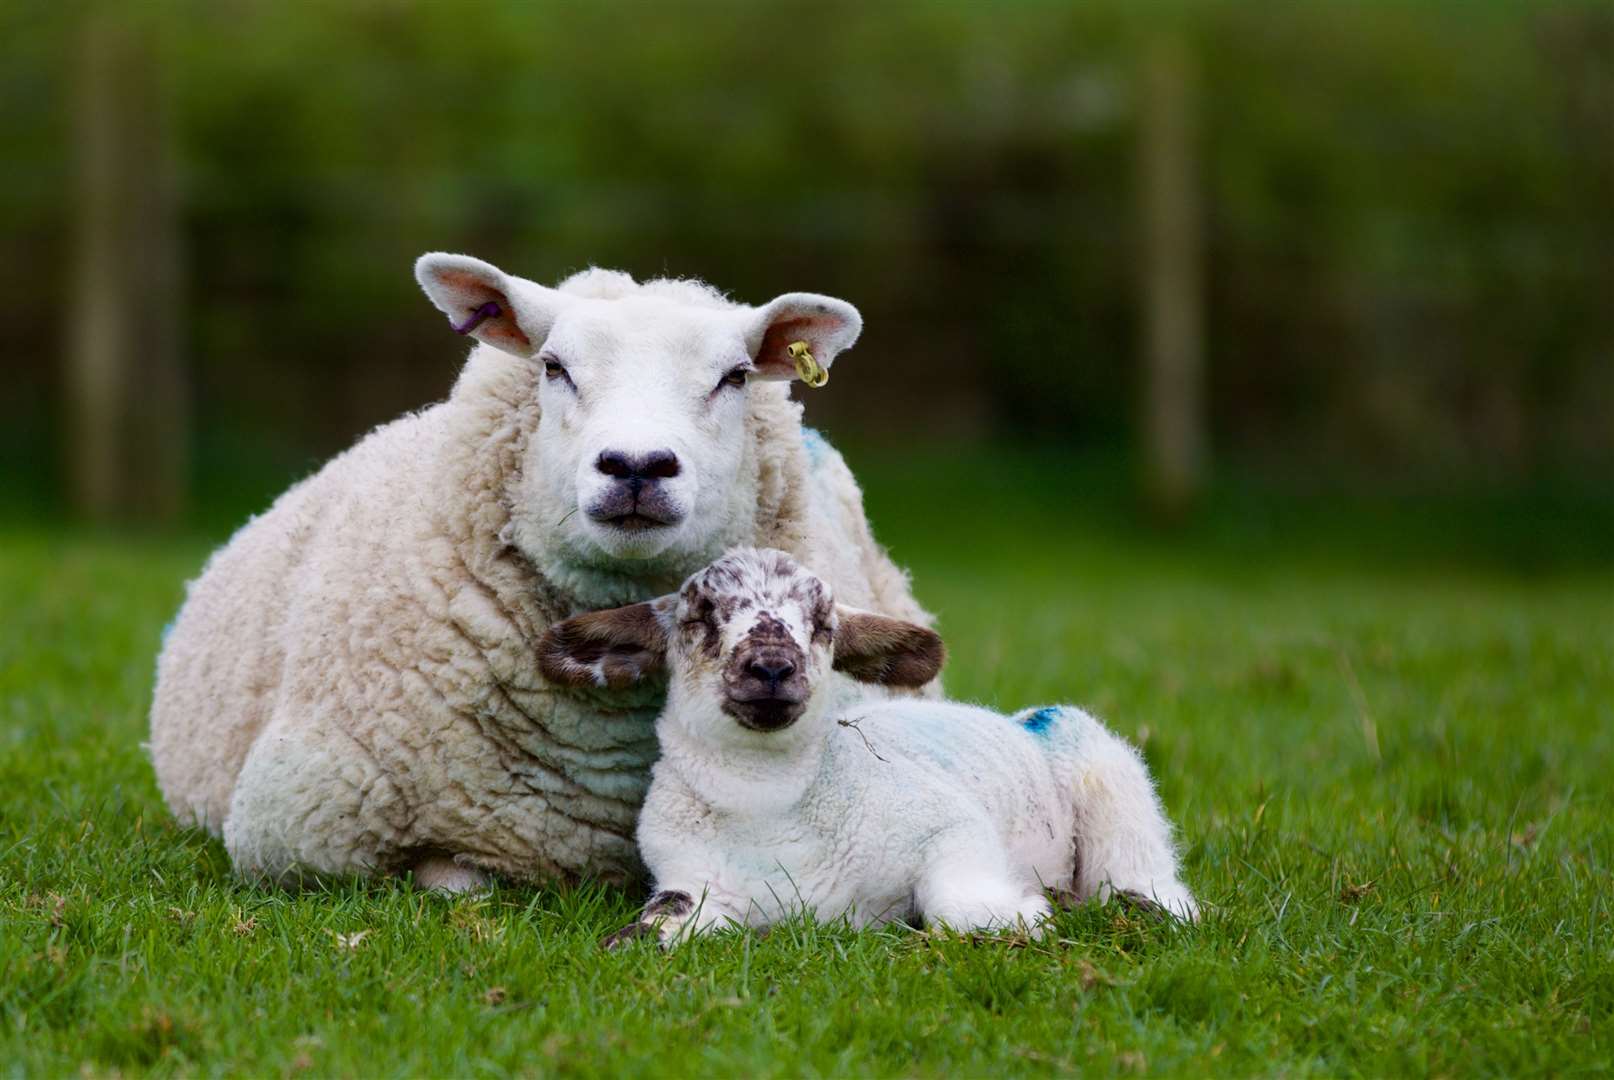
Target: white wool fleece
774, 795
351, 686
945, 813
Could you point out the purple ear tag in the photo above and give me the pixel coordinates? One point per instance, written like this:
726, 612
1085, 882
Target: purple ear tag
488, 310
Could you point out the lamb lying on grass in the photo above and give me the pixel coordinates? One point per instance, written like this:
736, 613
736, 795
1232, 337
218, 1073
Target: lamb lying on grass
771, 796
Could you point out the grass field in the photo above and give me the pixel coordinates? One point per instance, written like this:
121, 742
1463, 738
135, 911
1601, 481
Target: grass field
1388, 747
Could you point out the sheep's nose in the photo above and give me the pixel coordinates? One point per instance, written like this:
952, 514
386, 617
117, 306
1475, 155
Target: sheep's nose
656, 465
772, 670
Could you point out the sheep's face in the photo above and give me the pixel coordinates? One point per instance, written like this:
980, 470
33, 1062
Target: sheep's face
749, 642
641, 436
644, 452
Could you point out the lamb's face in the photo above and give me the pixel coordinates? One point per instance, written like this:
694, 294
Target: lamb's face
753, 640
643, 462
749, 643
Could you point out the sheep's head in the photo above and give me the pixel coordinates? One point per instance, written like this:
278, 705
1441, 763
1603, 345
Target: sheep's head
747, 643
643, 391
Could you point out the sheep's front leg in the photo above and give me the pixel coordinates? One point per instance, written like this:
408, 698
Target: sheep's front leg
674, 915
447, 876
967, 885
1123, 838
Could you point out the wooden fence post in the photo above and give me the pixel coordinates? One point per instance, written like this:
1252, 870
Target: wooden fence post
1172, 406
126, 432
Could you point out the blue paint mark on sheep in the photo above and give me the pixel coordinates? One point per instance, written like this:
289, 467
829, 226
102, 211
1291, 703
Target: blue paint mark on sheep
817, 446
1040, 721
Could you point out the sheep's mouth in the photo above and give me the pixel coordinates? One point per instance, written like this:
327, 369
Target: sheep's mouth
635, 522
765, 713
629, 509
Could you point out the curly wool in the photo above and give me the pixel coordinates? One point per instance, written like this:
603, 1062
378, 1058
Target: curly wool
351, 686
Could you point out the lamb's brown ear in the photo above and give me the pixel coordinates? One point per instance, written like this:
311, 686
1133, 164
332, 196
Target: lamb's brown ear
877, 649
612, 649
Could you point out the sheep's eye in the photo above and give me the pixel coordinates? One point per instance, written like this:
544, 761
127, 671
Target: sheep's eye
555, 371
734, 378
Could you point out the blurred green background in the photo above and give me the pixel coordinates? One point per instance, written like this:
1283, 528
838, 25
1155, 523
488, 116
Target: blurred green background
1244, 370
1181, 249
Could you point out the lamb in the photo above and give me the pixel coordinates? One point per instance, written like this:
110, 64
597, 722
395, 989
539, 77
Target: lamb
776, 793
351, 686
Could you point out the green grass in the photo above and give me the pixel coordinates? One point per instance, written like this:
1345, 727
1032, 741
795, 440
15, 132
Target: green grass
1389, 756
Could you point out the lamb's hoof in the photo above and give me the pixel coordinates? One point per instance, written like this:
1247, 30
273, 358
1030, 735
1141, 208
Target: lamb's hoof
449, 877
1180, 907
1142, 905
631, 932
1063, 899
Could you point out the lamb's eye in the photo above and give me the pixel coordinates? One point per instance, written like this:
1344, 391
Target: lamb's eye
735, 377
821, 619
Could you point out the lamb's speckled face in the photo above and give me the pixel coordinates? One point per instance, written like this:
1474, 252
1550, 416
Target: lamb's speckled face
748, 642
754, 633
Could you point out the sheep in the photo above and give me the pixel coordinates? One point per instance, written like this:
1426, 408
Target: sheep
776, 793
351, 685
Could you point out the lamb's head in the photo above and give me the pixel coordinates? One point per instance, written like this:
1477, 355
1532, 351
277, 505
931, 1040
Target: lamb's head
748, 642
644, 399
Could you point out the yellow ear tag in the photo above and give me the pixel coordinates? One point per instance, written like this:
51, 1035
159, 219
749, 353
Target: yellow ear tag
807, 367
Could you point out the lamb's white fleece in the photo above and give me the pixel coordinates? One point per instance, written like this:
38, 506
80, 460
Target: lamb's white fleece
771, 797
351, 686
948, 813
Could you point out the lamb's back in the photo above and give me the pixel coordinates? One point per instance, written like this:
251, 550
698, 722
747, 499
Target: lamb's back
942, 762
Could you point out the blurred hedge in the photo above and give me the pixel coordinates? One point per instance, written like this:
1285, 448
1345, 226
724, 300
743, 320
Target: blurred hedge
1409, 209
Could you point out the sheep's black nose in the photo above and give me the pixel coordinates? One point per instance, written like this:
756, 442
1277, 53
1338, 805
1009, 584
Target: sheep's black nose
772, 670
656, 465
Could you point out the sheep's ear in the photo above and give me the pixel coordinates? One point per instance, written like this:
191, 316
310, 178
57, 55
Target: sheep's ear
877, 649
507, 312
826, 324
613, 649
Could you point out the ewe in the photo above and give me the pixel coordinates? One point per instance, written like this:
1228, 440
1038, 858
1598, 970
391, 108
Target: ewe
351, 686
775, 794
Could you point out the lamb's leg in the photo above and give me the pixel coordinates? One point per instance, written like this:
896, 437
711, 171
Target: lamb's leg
672, 916
1123, 839
967, 885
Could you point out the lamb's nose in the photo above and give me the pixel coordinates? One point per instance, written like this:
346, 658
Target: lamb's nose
656, 465
772, 670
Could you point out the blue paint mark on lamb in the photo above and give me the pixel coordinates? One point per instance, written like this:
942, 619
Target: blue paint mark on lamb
1040, 721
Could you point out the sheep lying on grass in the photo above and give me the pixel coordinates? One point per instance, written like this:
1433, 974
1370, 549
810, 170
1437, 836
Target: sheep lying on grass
351, 686
774, 794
